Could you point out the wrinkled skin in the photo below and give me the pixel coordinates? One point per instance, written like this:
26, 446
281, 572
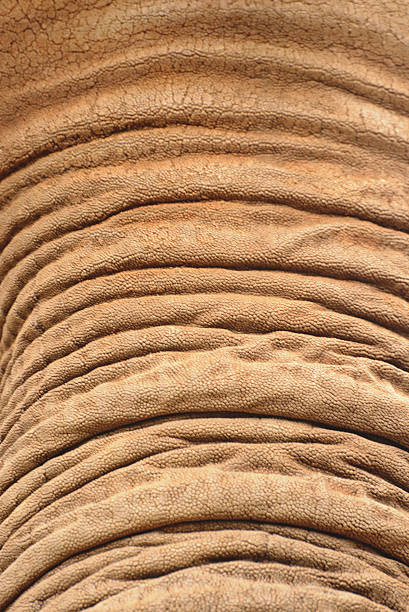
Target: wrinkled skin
205, 339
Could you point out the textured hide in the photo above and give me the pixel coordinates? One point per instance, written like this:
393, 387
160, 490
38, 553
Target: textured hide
204, 305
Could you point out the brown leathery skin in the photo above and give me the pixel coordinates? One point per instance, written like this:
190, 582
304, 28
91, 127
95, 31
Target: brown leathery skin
204, 268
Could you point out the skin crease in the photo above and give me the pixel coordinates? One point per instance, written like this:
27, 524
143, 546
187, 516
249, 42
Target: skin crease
204, 271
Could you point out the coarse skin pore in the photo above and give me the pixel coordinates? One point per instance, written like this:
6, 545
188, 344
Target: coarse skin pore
204, 216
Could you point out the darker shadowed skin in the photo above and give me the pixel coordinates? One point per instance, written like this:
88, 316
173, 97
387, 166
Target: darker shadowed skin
204, 215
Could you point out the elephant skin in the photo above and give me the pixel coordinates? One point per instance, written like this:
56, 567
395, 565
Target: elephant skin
204, 305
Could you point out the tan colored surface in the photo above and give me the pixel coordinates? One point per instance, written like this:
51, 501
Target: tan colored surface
205, 346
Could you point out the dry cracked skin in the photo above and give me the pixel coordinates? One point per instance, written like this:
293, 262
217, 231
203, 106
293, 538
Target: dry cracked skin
204, 299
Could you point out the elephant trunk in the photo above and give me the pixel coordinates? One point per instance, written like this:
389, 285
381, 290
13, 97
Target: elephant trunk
204, 393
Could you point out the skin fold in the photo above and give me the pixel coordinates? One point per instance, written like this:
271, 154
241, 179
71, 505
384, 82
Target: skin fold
204, 352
